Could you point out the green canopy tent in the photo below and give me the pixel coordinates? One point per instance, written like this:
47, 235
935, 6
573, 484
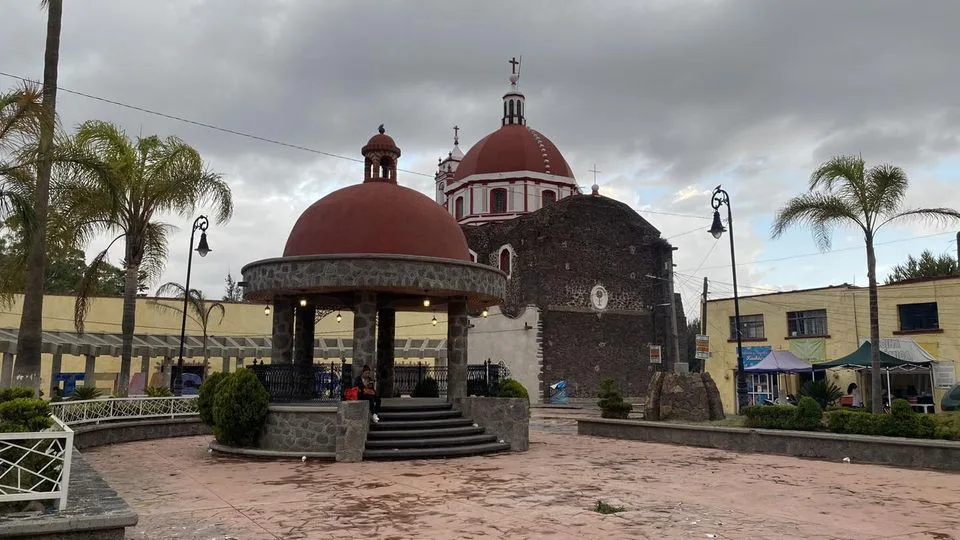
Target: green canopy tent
860, 360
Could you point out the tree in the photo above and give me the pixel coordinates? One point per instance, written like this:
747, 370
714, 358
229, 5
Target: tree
20, 111
234, 292
844, 193
926, 266
147, 178
198, 309
30, 336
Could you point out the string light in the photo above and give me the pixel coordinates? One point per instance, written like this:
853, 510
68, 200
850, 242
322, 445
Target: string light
339, 318
426, 302
303, 302
484, 314
266, 311
434, 321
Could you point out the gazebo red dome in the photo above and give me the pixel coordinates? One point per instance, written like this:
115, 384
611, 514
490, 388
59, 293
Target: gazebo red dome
377, 218
513, 148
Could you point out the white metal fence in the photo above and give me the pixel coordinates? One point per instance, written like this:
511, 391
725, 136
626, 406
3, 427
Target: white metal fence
36, 466
106, 410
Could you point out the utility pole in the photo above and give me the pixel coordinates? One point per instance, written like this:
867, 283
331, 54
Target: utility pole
958, 248
674, 335
703, 308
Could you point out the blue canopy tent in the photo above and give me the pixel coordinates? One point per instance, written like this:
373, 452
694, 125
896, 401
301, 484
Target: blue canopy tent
776, 363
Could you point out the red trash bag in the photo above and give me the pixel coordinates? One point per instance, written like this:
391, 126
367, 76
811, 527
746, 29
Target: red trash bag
351, 394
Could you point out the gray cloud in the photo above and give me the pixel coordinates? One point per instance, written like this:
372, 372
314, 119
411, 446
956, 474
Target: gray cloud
662, 94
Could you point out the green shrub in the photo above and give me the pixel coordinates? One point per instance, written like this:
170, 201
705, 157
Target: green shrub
769, 416
904, 422
158, 391
426, 388
24, 415
239, 408
808, 415
611, 403
823, 392
10, 394
205, 396
511, 388
947, 426
82, 393
838, 420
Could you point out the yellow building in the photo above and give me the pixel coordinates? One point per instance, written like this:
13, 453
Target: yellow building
824, 324
418, 339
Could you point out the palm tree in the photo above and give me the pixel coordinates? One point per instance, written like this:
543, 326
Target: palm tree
29, 339
148, 177
198, 309
844, 193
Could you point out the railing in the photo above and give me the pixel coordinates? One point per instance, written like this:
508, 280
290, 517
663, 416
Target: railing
104, 410
36, 466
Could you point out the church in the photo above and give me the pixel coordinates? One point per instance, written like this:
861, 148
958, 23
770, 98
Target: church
588, 293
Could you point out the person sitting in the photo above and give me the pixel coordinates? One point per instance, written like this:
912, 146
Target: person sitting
368, 392
854, 392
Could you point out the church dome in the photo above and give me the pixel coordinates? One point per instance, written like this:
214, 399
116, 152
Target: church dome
513, 148
377, 216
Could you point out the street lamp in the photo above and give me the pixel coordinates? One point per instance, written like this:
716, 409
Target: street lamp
199, 224
718, 199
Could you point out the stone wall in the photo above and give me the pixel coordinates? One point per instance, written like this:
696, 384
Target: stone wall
353, 423
505, 339
507, 418
683, 396
900, 452
300, 428
561, 253
89, 436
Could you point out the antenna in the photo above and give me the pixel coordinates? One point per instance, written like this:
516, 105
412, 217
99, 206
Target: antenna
519, 66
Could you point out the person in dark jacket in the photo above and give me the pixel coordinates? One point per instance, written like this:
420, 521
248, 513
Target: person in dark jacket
368, 391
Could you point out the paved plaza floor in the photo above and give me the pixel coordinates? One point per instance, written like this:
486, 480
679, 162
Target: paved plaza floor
182, 491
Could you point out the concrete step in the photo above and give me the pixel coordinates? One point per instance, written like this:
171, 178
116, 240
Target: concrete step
431, 442
440, 452
393, 425
424, 433
390, 416
404, 405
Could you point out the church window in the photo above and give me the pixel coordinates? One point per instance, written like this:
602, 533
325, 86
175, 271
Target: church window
511, 111
473, 256
498, 201
385, 168
458, 208
548, 197
505, 261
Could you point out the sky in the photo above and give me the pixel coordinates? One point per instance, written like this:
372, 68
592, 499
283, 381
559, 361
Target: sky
667, 98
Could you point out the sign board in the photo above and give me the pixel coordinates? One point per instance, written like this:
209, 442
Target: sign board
703, 347
753, 355
655, 357
944, 374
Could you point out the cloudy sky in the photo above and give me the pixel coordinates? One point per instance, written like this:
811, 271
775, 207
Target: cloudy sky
668, 98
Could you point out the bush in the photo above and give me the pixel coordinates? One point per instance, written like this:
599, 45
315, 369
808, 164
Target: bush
808, 415
838, 420
904, 422
24, 415
511, 388
239, 408
426, 388
82, 393
947, 426
823, 392
611, 403
901, 422
205, 396
158, 391
10, 394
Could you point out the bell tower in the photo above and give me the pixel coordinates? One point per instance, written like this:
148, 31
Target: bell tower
514, 101
380, 156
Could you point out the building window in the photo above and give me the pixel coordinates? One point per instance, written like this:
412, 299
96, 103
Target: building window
498, 201
473, 256
751, 327
458, 208
548, 197
807, 323
916, 317
505, 261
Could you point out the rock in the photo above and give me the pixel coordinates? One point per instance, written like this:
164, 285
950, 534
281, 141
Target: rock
683, 396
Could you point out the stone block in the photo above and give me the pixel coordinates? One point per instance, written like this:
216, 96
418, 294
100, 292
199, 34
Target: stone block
683, 396
507, 418
353, 422
300, 428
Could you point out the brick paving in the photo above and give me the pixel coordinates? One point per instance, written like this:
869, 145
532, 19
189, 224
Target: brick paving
181, 491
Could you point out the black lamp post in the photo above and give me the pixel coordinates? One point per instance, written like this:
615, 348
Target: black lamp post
199, 224
719, 199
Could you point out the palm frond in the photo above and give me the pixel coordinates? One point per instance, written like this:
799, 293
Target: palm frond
938, 216
155, 250
88, 285
216, 306
821, 212
887, 187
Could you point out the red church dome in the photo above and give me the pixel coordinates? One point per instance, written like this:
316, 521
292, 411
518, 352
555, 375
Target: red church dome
513, 148
378, 216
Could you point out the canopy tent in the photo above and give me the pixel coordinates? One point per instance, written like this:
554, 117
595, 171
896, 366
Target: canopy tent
779, 362
860, 359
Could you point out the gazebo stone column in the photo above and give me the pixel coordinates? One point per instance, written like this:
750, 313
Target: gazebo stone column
364, 331
90, 371
6, 373
386, 330
458, 322
282, 351
303, 335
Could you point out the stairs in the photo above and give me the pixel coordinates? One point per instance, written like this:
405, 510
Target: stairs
419, 429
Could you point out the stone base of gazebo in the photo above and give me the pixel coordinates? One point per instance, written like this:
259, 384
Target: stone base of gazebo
409, 428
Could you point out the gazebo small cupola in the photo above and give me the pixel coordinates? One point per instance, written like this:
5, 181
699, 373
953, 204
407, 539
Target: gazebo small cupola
375, 248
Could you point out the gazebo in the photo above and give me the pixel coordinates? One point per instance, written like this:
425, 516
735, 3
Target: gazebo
374, 248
